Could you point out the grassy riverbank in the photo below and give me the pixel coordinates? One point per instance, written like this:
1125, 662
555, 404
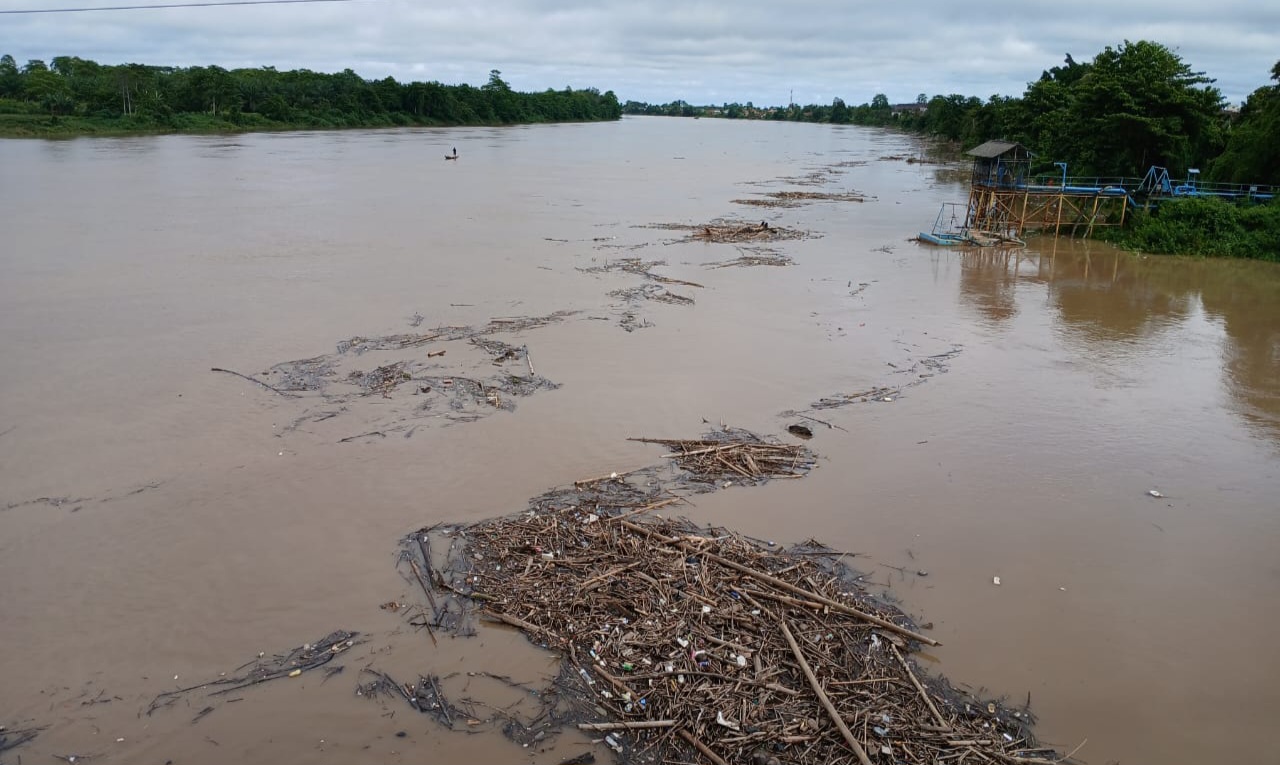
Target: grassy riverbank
1204, 227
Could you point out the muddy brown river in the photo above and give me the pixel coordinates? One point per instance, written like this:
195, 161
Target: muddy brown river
161, 523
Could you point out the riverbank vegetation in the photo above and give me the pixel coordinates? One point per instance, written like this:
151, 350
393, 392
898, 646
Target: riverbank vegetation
1132, 106
70, 96
1203, 226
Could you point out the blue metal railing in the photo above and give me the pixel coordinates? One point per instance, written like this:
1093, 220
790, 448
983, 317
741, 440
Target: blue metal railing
1156, 183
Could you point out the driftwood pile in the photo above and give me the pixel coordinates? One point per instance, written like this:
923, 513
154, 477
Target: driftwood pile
699, 645
738, 233
688, 644
292, 663
909, 159
734, 232
397, 383
916, 372
652, 290
754, 256
742, 458
798, 198
638, 267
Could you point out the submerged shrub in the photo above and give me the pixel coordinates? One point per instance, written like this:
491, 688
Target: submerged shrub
1207, 227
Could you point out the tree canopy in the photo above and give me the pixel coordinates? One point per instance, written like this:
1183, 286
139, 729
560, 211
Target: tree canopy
138, 96
1132, 106
1252, 153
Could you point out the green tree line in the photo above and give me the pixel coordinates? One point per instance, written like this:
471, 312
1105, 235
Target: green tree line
71, 94
1132, 106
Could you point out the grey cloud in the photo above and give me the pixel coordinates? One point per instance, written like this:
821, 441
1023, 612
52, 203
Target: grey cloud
658, 51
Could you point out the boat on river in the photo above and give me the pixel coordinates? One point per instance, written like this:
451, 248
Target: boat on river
950, 230
949, 227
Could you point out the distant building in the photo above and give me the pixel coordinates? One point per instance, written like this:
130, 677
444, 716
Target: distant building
912, 108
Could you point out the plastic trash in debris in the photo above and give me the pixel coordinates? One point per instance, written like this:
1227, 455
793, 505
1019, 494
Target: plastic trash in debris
875, 641
706, 609
1154, 493
886, 750
613, 475
922, 572
741, 660
683, 643
726, 722
613, 743
882, 732
295, 673
628, 666
995, 580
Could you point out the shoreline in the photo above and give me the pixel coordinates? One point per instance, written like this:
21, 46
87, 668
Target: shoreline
109, 131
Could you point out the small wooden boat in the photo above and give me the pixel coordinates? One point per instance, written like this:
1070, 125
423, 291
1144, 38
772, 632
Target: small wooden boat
451, 156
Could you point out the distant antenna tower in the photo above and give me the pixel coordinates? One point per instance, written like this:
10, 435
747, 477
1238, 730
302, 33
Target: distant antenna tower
791, 97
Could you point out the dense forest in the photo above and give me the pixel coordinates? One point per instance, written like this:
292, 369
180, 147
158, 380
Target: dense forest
74, 95
1133, 106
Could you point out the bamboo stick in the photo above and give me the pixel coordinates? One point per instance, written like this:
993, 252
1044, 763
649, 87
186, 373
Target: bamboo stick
822, 695
923, 693
639, 725
832, 604
701, 747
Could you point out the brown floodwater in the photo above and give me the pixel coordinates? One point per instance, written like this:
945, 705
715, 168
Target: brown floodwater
160, 524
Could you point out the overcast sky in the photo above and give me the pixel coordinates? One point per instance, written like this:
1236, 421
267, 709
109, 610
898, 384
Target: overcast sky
702, 51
